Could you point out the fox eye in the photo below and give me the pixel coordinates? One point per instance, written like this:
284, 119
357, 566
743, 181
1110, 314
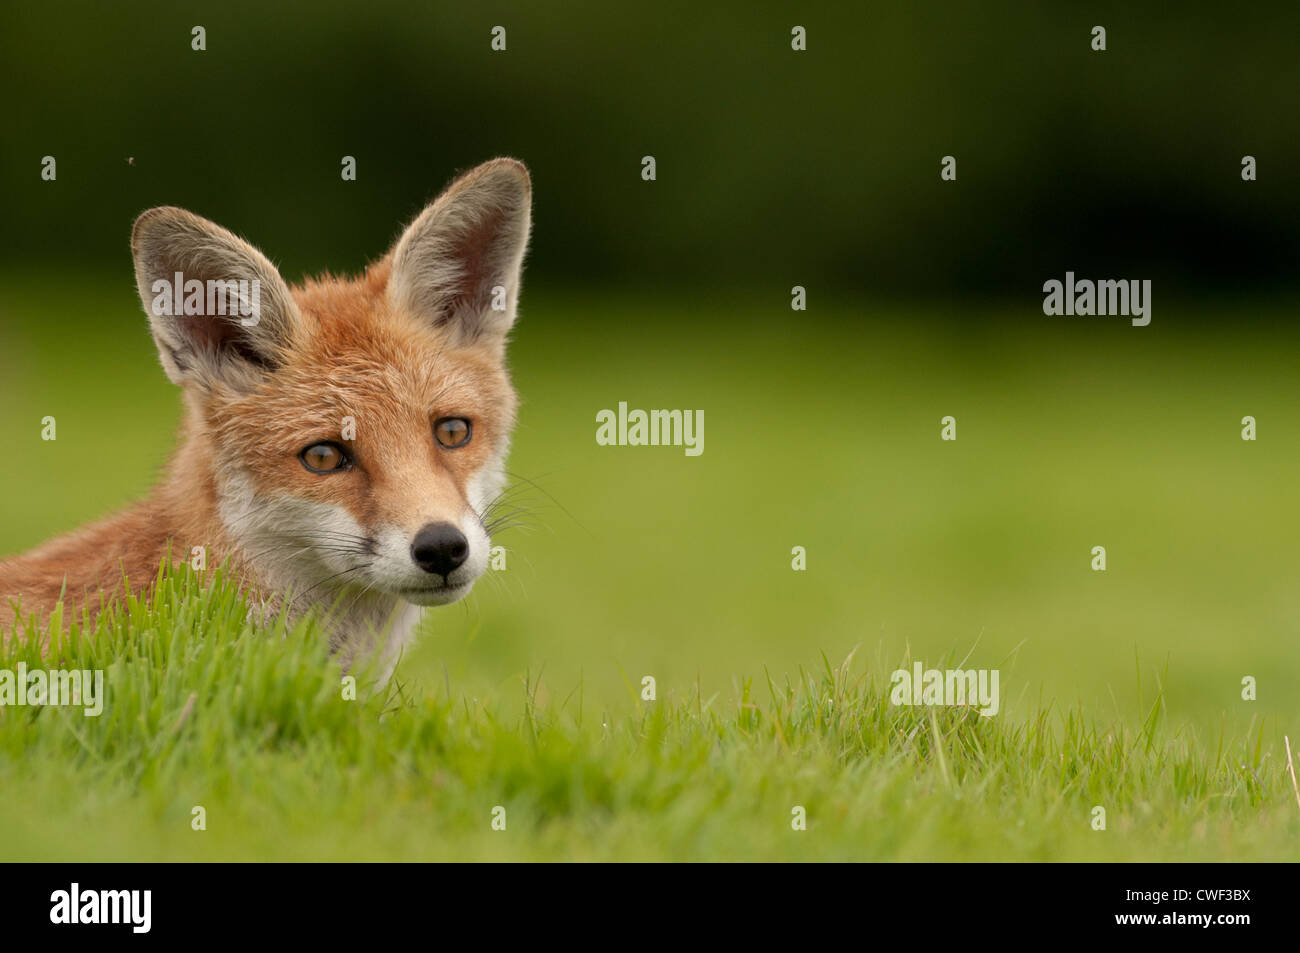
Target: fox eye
452, 432
324, 458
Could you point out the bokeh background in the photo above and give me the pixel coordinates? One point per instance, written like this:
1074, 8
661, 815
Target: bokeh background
775, 168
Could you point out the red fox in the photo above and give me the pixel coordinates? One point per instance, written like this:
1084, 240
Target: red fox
343, 442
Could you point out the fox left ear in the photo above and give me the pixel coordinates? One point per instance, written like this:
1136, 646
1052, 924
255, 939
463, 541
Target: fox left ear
218, 309
459, 263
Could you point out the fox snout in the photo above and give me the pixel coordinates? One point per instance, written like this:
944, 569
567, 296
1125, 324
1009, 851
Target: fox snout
440, 549
438, 565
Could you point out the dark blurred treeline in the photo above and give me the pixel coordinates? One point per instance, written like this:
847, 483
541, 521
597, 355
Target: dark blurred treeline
773, 166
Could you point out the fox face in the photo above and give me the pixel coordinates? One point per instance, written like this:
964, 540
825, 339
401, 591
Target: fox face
345, 440
369, 458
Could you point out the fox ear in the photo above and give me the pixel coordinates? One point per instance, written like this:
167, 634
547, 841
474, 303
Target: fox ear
459, 263
219, 311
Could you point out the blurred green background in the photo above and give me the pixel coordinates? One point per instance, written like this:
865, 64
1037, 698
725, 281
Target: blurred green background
775, 168
645, 561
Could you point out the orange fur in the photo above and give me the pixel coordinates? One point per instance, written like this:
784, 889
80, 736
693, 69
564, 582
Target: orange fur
360, 359
353, 349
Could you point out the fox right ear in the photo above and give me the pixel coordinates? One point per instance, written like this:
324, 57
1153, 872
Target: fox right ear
458, 264
219, 311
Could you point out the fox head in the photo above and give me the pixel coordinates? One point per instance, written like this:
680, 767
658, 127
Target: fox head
348, 435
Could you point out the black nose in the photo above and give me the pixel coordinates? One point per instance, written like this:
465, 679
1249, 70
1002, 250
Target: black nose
440, 548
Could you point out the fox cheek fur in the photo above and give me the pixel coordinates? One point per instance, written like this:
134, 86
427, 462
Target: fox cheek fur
342, 440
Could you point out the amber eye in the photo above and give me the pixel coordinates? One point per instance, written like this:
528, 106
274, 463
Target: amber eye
452, 432
324, 458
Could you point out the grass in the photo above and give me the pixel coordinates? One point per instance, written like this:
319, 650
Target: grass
205, 708
821, 431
